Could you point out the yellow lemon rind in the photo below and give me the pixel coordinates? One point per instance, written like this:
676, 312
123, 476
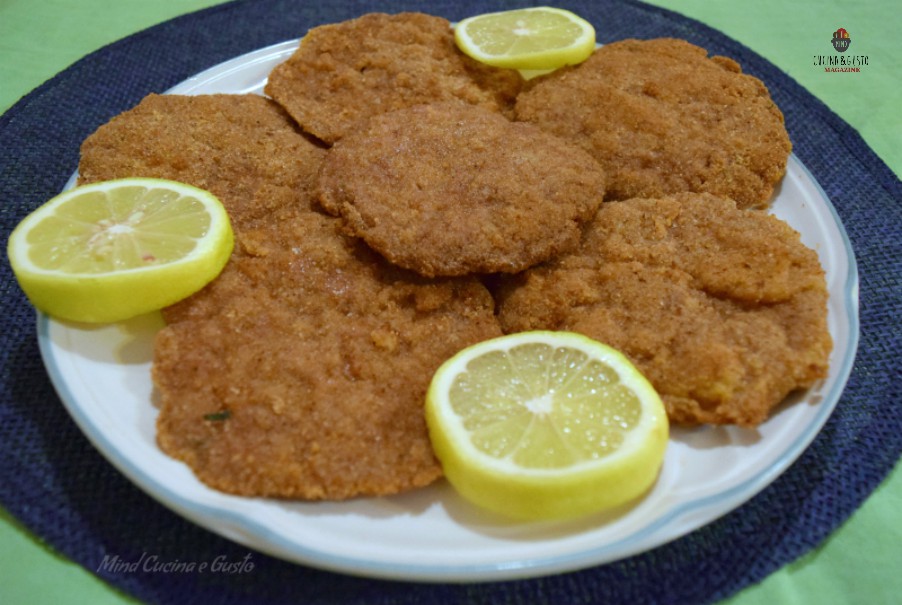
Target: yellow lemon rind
545, 60
529, 494
112, 297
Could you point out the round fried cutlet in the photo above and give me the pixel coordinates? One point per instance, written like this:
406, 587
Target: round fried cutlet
243, 148
452, 189
302, 372
723, 310
662, 118
348, 71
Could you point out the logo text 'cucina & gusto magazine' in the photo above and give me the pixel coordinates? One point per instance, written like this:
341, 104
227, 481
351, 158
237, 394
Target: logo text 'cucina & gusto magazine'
839, 62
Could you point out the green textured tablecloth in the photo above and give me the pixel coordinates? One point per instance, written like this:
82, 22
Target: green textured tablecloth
860, 562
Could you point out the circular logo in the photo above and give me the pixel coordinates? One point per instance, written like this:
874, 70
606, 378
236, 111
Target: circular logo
841, 40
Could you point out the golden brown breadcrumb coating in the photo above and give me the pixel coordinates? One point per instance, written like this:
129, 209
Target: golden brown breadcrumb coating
453, 189
348, 71
724, 310
663, 118
301, 370
243, 148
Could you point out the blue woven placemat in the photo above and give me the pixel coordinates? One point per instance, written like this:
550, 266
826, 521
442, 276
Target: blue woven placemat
58, 486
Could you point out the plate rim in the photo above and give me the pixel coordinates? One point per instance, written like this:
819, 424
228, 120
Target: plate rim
242, 529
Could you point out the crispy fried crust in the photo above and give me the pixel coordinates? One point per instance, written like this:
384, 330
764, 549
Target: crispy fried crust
243, 148
452, 189
301, 370
348, 71
724, 310
320, 355
663, 118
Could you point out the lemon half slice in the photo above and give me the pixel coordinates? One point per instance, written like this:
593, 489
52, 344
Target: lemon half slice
116, 249
544, 425
539, 38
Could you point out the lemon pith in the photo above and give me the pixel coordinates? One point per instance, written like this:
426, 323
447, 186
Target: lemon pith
112, 250
583, 433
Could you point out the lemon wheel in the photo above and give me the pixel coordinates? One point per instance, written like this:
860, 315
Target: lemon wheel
540, 38
543, 425
112, 250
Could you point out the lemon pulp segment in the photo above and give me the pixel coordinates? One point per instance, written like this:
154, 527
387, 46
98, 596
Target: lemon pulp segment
547, 415
546, 425
498, 36
539, 38
111, 250
126, 228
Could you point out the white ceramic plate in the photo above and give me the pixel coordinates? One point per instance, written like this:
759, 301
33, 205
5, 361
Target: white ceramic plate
103, 377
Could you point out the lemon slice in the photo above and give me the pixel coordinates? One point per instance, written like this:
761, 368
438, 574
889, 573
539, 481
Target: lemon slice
545, 425
116, 249
540, 38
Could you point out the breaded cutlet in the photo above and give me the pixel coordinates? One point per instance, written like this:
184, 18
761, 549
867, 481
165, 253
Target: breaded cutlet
723, 310
243, 148
453, 189
662, 118
301, 371
345, 72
